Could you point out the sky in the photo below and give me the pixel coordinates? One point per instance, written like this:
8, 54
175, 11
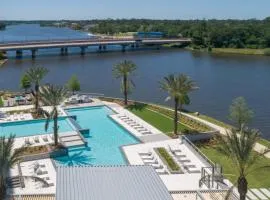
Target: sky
151, 9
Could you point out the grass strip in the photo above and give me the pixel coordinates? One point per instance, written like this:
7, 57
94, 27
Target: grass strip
168, 159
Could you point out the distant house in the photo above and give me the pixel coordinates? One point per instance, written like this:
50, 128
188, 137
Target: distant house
149, 34
112, 183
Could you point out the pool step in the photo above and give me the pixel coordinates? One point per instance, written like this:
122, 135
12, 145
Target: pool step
71, 139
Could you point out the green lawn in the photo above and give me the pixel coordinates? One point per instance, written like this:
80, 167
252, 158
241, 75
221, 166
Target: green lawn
159, 121
255, 180
239, 51
1, 101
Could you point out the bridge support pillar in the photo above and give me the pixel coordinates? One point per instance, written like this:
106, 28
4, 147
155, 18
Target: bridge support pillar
137, 45
99, 47
83, 50
34, 51
19, 53
104, 47
66, 50
62, 51
123, 48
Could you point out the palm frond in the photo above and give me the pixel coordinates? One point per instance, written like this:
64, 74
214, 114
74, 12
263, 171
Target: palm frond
178, 87
124, 68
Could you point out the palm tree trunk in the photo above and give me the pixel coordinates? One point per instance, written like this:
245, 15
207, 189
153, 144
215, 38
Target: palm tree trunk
55, 128
175, 116
179, 115
125, 89
3, 189
36, 97
242, 187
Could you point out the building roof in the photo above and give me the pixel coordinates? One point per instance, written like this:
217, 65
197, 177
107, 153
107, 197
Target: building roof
114, 183
33, 197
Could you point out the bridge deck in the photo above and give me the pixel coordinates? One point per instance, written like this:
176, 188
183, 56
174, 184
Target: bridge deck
28, 45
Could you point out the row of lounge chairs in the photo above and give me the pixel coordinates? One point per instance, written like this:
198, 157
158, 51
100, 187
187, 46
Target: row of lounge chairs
14, 182
38, 139
39, 170
149, 158
182, 159
15, 117
78, 99
135, 125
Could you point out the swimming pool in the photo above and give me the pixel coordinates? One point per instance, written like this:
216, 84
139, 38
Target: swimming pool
106, 138
32, 127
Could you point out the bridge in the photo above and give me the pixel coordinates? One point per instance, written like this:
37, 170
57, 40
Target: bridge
33, 46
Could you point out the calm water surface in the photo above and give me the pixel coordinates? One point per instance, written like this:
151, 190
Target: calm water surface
220, 78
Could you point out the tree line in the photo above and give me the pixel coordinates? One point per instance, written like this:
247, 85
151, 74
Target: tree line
251, 33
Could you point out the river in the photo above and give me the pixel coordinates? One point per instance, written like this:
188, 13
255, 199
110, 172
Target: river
221, 78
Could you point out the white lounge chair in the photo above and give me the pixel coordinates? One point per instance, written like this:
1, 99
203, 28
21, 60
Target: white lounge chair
27, 141
45, 138
41, 172
36, 139
157, 165
162, 171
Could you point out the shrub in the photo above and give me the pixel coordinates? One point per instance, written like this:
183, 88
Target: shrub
267, 52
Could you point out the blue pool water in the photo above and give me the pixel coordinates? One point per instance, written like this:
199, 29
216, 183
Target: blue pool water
32, 127
106, 138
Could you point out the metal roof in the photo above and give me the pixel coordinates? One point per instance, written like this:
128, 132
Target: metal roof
114, 183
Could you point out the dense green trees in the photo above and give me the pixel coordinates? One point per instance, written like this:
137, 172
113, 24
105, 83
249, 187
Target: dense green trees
205, 33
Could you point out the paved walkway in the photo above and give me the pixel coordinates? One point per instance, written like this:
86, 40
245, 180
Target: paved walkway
258, 147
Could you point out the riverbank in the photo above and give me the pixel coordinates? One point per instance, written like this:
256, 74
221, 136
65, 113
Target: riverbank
257, 52
264, 52
2, 62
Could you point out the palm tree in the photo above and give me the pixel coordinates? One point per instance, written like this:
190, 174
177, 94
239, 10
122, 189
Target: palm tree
53, 96
238, 146
123, 70
178, 87
35, 76
8, 158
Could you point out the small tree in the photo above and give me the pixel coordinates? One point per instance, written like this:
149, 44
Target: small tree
35, 75
240, 113
25, 83
53, 96
74, 84
123, 70
238, 147
178, 88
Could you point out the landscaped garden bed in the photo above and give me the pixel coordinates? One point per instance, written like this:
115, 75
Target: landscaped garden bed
168, 160
42, 152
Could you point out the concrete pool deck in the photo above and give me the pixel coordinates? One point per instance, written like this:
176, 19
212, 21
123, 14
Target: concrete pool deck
149, 142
